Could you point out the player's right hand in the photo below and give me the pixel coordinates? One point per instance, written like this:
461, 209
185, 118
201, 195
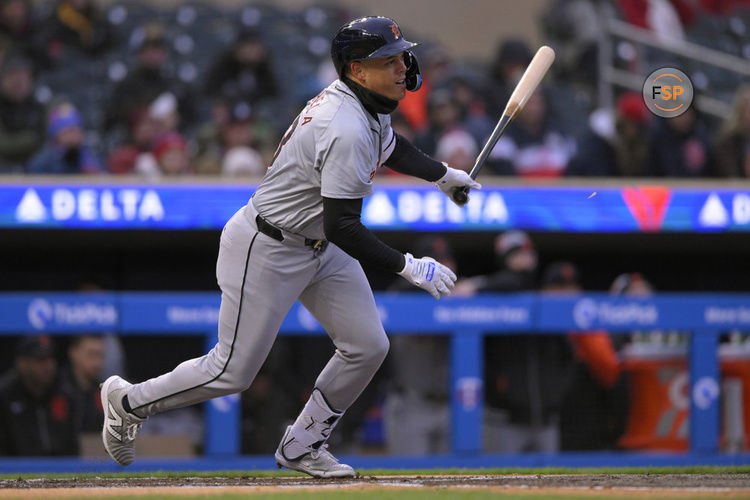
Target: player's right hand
456, 179
429, 275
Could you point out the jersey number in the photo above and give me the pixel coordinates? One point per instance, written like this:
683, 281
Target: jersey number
285, 139
294, 125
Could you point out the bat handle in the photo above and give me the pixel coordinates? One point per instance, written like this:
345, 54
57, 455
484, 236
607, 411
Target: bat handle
461, 195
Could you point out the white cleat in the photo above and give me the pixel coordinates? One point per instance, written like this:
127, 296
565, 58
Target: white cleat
120, 427
317, 463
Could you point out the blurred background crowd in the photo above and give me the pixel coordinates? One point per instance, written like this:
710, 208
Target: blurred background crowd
164, 90
188, 89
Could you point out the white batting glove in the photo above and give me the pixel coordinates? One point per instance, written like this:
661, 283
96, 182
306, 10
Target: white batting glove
455, 178
429, 275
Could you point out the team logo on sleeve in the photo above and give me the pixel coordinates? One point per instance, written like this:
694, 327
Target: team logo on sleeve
396, 31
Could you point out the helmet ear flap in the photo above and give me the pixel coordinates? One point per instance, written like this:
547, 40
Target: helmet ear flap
413, 76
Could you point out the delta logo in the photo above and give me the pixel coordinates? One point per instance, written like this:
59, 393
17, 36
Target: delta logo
648, 205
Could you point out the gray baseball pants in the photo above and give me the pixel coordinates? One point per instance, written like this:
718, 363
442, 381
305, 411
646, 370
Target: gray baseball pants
260, 278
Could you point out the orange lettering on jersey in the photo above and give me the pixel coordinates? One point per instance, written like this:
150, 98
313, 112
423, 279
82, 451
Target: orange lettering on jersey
305, 120
396, 31
317, 100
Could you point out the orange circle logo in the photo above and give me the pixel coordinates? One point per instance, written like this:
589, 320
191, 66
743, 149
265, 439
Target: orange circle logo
668, 92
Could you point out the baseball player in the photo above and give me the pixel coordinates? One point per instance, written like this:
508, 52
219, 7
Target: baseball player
300, 238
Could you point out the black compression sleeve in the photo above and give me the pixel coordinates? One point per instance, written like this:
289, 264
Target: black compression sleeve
409, 160
342, 225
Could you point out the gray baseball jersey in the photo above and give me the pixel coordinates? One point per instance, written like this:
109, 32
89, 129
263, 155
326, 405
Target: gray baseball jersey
332, 149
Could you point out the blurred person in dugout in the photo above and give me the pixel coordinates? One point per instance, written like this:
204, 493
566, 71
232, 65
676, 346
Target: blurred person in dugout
655, 364
594, 408
416, 412
81, 377
36, 414
525, 375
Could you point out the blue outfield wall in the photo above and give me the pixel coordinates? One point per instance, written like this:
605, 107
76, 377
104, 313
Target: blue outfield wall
466, 321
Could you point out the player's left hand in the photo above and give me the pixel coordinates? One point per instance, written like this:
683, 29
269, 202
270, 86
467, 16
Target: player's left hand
454, 179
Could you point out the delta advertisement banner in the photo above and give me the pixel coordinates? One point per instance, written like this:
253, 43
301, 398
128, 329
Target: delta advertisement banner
390, 208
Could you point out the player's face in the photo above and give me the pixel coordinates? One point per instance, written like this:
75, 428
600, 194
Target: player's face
384, 75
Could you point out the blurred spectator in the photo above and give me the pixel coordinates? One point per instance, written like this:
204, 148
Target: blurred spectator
416, 413
66, 150
81, 379
444, 117
722, 7
666, 18
36, 415
574, 28
457, 148
164, 114
616, 146
680, 147
230, 150
243, 71
77, 24
18, 28
21, 116
5, 48
732, 143
532, 146
401, 125
242, 161
512, 58
434, 64
596, 154
148, 80
137, 149
471, 109
169, 157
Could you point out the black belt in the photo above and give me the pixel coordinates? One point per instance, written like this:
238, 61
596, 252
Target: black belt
274, 232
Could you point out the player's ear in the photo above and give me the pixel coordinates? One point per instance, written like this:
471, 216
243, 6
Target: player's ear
356, 70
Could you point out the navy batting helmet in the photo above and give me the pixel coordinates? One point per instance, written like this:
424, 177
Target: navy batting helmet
370, 38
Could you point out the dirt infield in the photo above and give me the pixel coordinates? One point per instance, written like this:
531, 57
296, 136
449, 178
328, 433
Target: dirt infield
631, 485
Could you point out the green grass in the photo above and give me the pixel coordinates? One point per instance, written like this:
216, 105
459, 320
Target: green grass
405, 472
431, 494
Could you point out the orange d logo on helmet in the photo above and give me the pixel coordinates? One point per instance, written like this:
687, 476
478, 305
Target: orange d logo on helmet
396, 31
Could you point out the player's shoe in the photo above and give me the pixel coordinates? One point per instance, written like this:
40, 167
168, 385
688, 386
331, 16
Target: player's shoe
317, 463
120, 427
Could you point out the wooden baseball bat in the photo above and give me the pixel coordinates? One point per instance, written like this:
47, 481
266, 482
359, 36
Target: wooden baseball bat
526, 86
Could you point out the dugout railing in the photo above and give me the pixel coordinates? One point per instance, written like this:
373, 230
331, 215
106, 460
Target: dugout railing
465, 321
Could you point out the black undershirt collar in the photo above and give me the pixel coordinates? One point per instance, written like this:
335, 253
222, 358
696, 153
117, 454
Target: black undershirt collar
373, 102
